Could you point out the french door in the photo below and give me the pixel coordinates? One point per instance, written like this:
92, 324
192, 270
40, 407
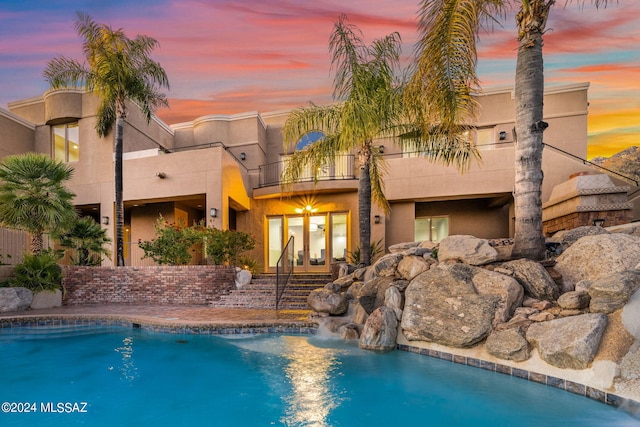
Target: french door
319, 239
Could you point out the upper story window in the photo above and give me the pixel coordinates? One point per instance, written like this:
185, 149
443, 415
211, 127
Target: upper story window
308, 139
66, 142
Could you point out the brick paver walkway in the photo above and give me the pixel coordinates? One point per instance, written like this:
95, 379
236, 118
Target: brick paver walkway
171, 315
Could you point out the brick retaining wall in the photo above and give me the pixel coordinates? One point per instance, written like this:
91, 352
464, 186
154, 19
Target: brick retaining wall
175, 285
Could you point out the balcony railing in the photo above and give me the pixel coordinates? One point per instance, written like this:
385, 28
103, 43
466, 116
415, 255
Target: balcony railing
341, 168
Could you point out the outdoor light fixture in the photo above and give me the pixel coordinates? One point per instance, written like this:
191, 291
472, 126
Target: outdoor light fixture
376, 219
161, 175
243, 156
381, 149
213, 212
503, 135
105, 220
598, 222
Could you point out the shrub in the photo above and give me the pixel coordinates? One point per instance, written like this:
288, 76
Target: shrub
172, 243
376, 251
225, 246
38, 272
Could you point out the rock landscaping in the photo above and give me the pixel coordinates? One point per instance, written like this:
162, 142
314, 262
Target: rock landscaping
577, 313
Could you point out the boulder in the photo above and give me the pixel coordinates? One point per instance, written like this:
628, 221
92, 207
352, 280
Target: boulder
612, 292
384, 267
507, 288
508, 344
467, 249
421, 252
568, 342
380, 331
393, 299
359, 314
442, 306
243, 278
364, 293
574, 300
349, 331
534, 278
345, 281
631, 316
410, 266
593, 257
566, 238
326, 301
401, 247
15, 299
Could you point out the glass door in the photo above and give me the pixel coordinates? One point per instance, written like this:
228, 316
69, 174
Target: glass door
310, 242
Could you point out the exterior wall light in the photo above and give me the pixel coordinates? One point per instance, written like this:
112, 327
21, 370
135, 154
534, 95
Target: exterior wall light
161, 175
105, 220
243, 156
213, 212
598, 222
502, 135
381, 149
376, 219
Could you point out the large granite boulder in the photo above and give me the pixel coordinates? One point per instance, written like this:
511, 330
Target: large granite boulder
410, 266
631, 316
508, 344
370, 294
574, 300
380, 331
507, 288
612, 292
15, 299
384, 267
401, 247
593, 257
443, 306
566, 238
243, 278
534, 278
467, 249
394, 300
569, 342
326, 301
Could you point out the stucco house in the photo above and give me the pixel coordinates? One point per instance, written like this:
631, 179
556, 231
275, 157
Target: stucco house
225, 169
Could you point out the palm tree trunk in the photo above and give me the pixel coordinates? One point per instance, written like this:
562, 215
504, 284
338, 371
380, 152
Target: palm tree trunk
119, 195
37, 243
364, 206
529, 92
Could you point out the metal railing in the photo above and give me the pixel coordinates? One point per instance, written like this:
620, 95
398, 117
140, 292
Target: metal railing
284, 268
341, 168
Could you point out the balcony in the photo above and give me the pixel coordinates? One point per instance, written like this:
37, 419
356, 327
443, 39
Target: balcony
337, 176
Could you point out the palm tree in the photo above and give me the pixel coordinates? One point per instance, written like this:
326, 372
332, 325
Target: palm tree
88, 238
369, 106
445, 78
119, 70
33, 197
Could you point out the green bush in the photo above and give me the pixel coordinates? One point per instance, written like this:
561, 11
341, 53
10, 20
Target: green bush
38, 272
225, 246
376, 251
172, 243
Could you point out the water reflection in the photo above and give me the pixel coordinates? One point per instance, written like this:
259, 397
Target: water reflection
128, 368
309, 371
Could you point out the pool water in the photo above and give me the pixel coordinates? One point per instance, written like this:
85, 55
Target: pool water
99, 376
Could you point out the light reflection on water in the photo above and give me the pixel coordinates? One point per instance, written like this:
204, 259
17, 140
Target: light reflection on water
309, 369
128, 369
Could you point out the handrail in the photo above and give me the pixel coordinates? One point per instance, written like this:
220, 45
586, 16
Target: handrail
596, 166
284, 267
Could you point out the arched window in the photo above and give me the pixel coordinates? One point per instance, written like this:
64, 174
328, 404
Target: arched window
309, 138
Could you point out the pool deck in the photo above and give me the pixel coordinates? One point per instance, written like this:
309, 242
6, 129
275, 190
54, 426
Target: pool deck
158, 315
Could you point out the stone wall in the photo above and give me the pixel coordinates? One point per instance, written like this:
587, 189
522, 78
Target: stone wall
175, 285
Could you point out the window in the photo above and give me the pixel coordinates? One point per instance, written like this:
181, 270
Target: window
66, 142
485, 138
431, 229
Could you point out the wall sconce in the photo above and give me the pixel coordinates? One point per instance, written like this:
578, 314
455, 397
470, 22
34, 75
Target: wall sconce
502, 135
376, 219
213, 212
381, 149
105, 220
598, 222
243, 156
161, 175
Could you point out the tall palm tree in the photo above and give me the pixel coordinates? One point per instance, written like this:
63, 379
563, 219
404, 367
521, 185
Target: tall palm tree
445, 78
369, 106
119, 70
33, 197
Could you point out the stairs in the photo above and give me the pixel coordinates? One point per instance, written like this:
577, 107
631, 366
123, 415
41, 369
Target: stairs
261, 292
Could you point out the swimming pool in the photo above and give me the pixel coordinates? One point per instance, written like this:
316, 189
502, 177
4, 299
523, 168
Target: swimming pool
113, 376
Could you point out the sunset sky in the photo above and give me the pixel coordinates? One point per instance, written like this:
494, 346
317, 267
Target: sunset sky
230, 56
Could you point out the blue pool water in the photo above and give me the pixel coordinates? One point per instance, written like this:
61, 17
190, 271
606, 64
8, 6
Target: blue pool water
97, 376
